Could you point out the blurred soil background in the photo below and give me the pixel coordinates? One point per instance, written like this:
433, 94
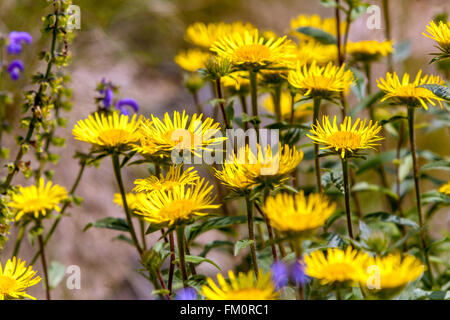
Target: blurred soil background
133, 43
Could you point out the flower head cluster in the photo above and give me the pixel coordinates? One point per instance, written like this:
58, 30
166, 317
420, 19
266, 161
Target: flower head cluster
411, 94
37, 200
174, 177
242, 287
297, 213
348, 138
15, 278
192, 59
439, 33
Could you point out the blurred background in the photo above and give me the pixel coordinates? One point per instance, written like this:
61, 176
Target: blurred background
133, 43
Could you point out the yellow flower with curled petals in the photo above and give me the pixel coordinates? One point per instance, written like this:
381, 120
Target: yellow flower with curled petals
298, 213
176, 206
193, 59
439, 33
130, 198
15, 278
321, 82
108, 131
173, 178
348, 137
410, 93
37, 200
242, 287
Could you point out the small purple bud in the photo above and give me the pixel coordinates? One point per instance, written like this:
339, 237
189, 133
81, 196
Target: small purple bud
186, 294
298, 274
14, 69
107, 100
121, 104
280, 276
15, 41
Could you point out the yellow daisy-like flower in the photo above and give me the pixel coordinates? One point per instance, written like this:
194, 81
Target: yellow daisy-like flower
445, 189
249, 50
204, 35
303, 110
310, 51
246, 169
242, 287
297, 213
347, 137
37, 200
439, 33
174, 177
108, 131
15, 278
176, 206
321, 82
337, 266
369, 50
179, 133
131, 200
192, 59
410, 94
393, 271
315, 21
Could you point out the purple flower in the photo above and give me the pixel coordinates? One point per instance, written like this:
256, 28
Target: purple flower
14, 69
298, 273
186, 294
123, 103
16, 39
108, 94
280, 274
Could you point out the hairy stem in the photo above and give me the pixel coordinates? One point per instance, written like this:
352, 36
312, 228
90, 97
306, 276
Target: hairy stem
182, 254
347, 195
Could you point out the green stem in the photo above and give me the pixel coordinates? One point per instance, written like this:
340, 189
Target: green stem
298, 254
251, 234
347, 195
387, 32
277, 102
222, 107
412, 142
43, 261
182, 254
270, 233
254, 97
197, 102
171, 265
18, 241
142, 227
316, 147
117, 173
338, 293
244, 108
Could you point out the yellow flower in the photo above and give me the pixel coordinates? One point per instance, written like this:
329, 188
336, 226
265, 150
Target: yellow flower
321, 82
173, 178
369, 50
337, 266
237, 80
179, 133
445, 189
192, 59
303, 110
107, 131
176, 206
37, 199
326, 24
347, 137
308, 52
394, 271
410, 94
15, 278
297, 213
131, 200
439, 33
244, 287
204, 35
249, 50
246, 169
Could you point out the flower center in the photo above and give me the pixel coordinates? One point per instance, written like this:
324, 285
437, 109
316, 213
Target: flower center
338, 271
7, 285
114, 136
345, 140
252, 53
178, 209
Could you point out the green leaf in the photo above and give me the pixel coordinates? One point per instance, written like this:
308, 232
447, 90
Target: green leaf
438, 165
364, 186
252, 120
109, 223
197, 260
367, 102
387, 217
56, 273
402, 51
359, 86
435, 197
441, 91
215, 244
124, 238
420, 294
318, 35
392, 119
376, 161
215, 223
229, 112
241, 244
153, 227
